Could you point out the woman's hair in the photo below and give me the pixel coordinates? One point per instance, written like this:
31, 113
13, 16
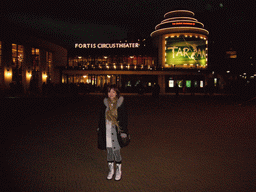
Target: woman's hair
115, 89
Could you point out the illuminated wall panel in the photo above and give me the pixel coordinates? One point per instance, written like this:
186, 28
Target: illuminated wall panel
181, 41
185, 52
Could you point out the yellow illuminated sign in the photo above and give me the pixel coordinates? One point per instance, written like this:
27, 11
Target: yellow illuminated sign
185, 52
106, 45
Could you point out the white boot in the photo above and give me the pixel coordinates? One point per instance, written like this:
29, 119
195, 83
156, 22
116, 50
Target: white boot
118, 172
111, 170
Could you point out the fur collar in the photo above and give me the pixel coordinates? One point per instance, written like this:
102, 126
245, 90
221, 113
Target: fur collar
119, 101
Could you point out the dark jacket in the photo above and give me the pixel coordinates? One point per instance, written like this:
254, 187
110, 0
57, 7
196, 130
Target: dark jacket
121, 117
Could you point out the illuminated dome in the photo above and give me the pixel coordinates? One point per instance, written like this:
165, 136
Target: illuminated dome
182, 41
179, 21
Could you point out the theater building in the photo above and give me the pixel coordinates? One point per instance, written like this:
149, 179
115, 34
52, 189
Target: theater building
182, 44
177, 53
126, 63
28, 60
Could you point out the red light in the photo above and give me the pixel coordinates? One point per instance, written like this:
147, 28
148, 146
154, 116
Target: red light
183, 23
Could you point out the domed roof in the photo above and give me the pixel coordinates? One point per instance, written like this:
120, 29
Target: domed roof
179, 21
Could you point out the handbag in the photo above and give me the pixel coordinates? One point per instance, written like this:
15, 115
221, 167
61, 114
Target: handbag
126, 140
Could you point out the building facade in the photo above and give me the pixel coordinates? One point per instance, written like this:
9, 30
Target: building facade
174, 57
177, 54
28, 61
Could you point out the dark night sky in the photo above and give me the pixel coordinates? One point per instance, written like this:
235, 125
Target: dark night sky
105, 20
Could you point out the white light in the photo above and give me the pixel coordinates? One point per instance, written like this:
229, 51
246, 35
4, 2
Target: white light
201, 84
228, 71
244, 73
212, 72
171, 83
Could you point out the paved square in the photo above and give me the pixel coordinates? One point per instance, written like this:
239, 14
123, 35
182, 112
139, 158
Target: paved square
189, 143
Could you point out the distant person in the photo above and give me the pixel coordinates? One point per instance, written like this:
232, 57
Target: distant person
112, 130
104, 89
176, 88
206, 90
140, 89
184, 90
156, 91
192, 89
44, 89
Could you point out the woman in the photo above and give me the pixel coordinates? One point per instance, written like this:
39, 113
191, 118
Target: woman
112, 128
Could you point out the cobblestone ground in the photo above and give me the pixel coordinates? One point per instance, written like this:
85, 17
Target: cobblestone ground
178, 144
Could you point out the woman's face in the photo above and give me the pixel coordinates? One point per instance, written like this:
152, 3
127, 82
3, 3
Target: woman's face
112, 94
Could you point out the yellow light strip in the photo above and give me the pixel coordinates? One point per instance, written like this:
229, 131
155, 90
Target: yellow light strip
181, 11
165, 29
183, 18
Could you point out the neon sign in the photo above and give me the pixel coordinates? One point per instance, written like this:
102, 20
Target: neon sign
188, 52
183, 23
106, 45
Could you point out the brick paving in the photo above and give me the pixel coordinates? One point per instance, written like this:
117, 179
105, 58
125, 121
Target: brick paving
178, 144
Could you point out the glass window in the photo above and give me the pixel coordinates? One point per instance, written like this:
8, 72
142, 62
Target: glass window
48, 65
14, 54
35, 57
201, 84
171, 83
17, 59
49, 60
17, 55
195, 84
180, 83
20, 55
188, 83
215, 82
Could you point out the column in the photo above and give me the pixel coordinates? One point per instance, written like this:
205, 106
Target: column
161, 82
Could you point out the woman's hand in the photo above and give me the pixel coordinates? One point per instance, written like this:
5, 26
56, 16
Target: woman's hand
123, 135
